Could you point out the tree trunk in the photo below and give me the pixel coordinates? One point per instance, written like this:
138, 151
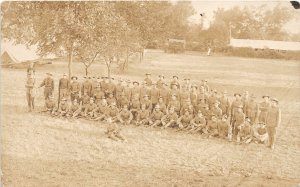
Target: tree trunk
70, 61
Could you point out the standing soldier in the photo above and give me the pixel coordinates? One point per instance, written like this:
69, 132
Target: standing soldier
169, 119
148, 80
216, 110
144, 90
111, 99
143, 116
187, 84
30, 83
252, 110
135, 89
147, 102
225, 104
160, 82
86, 86
48, 82
135, 106
273, 121
74, 88
174, 103
125, 116
202, 94
234, 106
205, 86
194, 96
164, 93
95, 83
174, 91
119, 90
154, 95
245, 100
238, 119
110, 87
175, 82
184, 95
63, 87
123, 101
127, 90
98, 94
263, 109
212, 99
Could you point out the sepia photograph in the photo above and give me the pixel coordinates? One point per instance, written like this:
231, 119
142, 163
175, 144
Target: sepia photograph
150, 93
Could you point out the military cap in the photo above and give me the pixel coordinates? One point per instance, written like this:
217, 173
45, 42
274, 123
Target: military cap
89, 77
148, 74
160, 97
112, 78
214, 90
274, 99
99, 78
174, 95
85, 77
174, 84
186, 79
48, 73
98, 86
247, 119
175, 76
237, 94
161, 76
135, 82
74, 77
265, 96
94, 77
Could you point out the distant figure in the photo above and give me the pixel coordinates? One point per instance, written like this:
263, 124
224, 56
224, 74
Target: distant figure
208, 52
114, 131
30, 91
48, 83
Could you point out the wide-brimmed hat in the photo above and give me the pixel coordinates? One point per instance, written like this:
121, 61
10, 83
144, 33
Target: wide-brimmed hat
74, 77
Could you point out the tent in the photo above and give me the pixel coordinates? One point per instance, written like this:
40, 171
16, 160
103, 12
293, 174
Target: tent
7, 58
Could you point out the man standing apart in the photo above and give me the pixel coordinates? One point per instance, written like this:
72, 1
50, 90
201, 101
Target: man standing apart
49, 86
30, 91
273, 121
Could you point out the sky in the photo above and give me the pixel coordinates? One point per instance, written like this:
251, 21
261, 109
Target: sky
208, 7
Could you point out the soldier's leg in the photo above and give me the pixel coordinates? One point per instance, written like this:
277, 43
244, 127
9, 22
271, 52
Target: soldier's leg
28, 101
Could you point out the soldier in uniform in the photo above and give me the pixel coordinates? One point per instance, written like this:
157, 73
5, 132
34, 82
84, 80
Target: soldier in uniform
224, 128
238, 119
186, 105
225, 104
260, 134
198, 124
156, 116
148, 80
187, 84
63, 108
64, 85
30, 83
98, 94
184, 95
252, 110
114, 131
102, 110
164, 93
119, 90
170, 119
174, 103
245, 132
205, 86
212, 127
162, 105
175, 82
245, 100
75, 109
110, 87
95, 83
86, 86
216, 110
125, 116
212, 99
160, 83
273, 120
202, 94
135, 106
234, 106
127, 90
147, 102
90, 109
111, 99
135, 89
112, 112
174, 90
85, 100
194, 96
263, 109
123, 101
143, 116
154, 95
74, 88
48, 82
185, 120
144, 90
50, 105
104, 84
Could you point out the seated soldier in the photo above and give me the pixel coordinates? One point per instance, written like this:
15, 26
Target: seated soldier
123, 101
125, 116
198, 124
185, 120
98, 94
155, 118
111, 99
143, 116
90, 109
102, 110
85, 99
135, 106
174, 103
245, 132
224, 128
216, 110
75, 109
112, 112
114, 131
212, 126
63, 108
162, 105
170, 119
260, 134
147, 102
50, 105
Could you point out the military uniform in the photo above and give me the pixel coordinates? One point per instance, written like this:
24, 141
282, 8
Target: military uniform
49, 86
86, 87
184, 96
50, 105
212, 127
75, 109
238, 119
216, 111
30, 92
184, 121
245, 131
90, 110
64, 85
154, 95
119, 90
198, 124
224, 128
212, 100
123, 101
164, 93
263, 107
252, 111
194, 98
162, 107
111, 99
160, 83
135, 107
110, 88
74, 89
98, 95
63, 108
147, 102
273, 120
113, 112
148, 81
225, 105
135, 90
143, 92
169, 120
127, 92
143, 117
155, 118
102, 110
176, 104
125, 117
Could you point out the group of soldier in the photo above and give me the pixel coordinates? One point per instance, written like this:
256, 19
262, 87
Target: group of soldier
180, 105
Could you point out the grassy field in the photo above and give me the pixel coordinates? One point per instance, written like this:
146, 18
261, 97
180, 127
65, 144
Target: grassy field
39, 150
